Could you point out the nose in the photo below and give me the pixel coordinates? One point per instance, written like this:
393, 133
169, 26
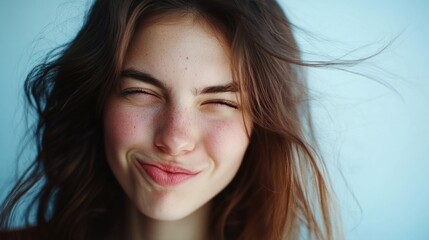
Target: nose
175, 133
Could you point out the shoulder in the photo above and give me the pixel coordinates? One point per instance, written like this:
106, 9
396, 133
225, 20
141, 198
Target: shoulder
30, 233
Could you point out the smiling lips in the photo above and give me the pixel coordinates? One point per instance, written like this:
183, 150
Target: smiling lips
167, 175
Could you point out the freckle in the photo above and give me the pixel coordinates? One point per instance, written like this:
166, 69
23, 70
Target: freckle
186, 68
187, 58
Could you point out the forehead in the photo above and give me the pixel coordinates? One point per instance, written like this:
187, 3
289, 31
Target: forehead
180, 47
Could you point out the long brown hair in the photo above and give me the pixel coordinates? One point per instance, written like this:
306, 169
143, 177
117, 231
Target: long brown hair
281, 189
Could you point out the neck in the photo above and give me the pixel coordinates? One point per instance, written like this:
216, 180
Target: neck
192, 227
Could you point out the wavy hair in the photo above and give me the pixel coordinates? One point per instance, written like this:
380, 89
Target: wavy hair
281, 190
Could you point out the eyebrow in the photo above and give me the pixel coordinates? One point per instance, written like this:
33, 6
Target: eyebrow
144, 77
229, 87
148, 78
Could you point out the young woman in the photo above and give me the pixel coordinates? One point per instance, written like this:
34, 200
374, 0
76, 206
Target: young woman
175, 119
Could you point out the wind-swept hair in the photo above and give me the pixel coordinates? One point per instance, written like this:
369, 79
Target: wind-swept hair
281, 189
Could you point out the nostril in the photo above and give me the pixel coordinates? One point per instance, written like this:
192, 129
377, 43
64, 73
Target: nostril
161, 147
175, 134
174, 144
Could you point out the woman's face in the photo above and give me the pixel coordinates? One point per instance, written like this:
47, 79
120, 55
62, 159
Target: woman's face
175, 132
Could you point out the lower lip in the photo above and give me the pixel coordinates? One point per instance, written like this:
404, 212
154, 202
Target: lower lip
165, 178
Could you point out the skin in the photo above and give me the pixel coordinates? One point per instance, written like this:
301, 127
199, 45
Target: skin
175, 117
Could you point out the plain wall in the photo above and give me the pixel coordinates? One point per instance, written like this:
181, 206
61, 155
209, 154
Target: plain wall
375, 140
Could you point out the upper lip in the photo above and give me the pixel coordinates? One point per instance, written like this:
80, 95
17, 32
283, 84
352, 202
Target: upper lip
171, 168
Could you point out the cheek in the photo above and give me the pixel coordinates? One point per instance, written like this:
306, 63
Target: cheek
119, 127
226, 141
123, 127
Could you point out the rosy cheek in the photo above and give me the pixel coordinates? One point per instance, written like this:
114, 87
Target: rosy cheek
226, 139
117, 125
123, 126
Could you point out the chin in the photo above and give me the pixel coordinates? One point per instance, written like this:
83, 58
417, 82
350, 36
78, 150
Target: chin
167, 217
166, 214
171, 210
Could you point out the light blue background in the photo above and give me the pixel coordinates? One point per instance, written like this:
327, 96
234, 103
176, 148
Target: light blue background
375, 141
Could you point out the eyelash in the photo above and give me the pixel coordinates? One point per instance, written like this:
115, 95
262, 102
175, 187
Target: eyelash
223, 102
128, 92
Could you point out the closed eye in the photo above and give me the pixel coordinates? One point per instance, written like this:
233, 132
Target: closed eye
135, 91
224, 103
